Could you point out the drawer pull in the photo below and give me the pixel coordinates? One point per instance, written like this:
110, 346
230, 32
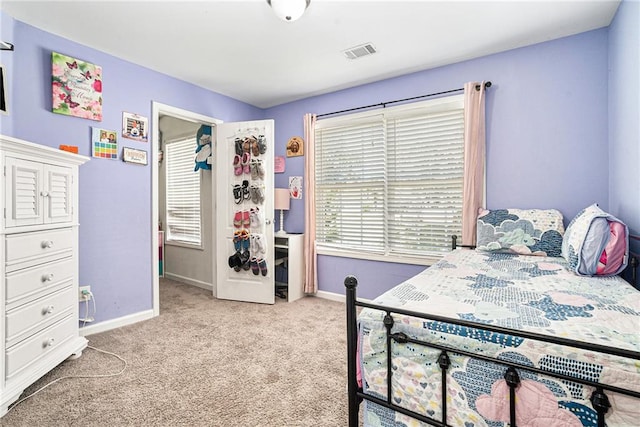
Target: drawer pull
47, 244
47, 310
47, 277
48, 343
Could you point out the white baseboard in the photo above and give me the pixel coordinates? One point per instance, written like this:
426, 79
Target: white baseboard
119, 322
336, 297
330, 296
189, 281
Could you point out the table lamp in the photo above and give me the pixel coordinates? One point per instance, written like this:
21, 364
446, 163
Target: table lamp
282, 202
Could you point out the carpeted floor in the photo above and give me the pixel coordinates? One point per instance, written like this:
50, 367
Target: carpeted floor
205, 362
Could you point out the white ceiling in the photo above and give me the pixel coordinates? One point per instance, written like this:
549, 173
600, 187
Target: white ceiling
240, 49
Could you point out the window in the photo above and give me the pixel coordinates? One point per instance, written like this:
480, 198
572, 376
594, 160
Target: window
182, 193
389, 182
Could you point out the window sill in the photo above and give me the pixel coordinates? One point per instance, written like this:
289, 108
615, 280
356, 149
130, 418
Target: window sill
400, 259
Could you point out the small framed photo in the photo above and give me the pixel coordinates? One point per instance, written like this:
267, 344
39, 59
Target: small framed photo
295, 187
134, 126
104, 143
295, 147
131, 155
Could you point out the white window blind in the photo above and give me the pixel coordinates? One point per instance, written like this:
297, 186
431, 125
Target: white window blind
182, 193
390, 182
350, 185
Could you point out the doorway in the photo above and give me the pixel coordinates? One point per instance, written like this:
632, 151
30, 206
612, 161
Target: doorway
183, 121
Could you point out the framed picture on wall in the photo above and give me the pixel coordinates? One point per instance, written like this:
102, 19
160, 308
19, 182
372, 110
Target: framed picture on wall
76, 87
3, 92
134, 126
131, 155
295, 187
104, 143
295, 147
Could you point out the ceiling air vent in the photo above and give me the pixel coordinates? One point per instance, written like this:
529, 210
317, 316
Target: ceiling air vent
360, 51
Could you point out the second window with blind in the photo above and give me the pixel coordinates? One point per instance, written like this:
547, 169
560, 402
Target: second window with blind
389, 182
183, 208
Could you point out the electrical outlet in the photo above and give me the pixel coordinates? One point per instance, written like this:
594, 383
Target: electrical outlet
83, 293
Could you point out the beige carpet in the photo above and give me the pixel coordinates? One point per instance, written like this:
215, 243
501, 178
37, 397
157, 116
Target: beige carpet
205, 362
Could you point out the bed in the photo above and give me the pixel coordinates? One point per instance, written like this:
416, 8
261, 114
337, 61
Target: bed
488, 338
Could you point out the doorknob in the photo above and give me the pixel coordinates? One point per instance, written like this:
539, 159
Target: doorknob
268, 221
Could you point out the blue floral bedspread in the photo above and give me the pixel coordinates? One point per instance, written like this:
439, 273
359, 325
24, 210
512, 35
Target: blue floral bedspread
532, 293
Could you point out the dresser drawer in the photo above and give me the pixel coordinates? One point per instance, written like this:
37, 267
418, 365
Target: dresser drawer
40, 344
31, 317
41, 278
28, 249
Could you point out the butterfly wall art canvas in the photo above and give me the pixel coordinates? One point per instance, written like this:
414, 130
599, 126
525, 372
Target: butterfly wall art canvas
76, 87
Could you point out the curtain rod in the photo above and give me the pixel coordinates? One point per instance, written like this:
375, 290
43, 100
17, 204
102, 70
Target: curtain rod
384, 104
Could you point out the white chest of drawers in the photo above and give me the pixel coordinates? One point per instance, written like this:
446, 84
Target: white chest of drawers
38, 263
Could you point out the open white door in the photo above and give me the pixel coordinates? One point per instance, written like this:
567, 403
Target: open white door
244, 163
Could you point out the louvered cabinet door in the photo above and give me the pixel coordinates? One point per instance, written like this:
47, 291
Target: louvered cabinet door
38, 193
57, 194
24, 192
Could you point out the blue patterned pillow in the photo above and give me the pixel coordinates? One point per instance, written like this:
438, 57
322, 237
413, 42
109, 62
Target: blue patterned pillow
520, 231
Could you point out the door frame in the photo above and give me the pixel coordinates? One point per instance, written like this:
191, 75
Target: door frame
158, 109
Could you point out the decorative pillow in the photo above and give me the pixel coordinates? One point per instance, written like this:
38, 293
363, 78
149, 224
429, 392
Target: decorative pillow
520, 231
596, 243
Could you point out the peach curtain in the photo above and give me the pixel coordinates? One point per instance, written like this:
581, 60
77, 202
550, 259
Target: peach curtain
474, 159
311, 275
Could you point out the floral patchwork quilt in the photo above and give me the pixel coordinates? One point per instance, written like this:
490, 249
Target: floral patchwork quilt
531, 293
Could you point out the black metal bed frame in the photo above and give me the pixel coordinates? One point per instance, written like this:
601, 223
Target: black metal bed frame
599, 399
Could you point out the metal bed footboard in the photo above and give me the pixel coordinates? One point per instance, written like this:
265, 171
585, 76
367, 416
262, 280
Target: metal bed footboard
599, 399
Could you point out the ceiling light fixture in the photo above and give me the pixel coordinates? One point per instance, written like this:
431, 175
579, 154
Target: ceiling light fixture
289, 10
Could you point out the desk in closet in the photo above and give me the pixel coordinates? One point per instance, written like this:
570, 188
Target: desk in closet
289, 255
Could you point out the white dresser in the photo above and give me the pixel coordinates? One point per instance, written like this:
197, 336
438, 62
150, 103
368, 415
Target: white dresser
38, 263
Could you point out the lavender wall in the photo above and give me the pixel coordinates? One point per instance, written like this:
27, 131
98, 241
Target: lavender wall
115, 197
546, 129
624, 114
546, 135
